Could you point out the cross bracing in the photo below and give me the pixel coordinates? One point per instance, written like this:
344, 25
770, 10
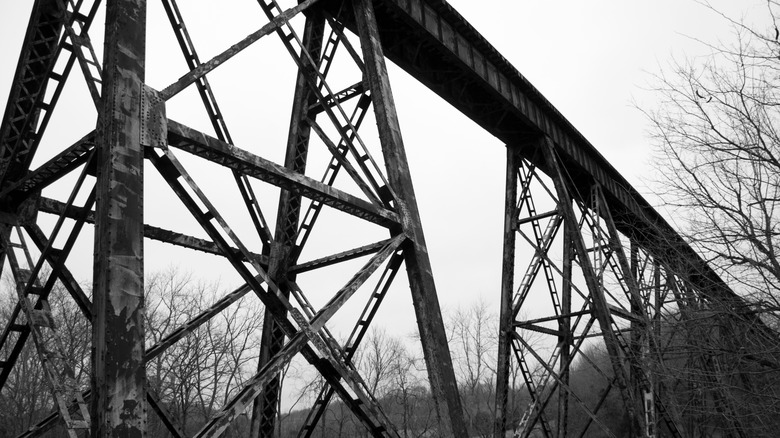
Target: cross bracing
612, 266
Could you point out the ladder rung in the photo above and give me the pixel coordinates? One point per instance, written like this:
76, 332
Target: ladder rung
536, 217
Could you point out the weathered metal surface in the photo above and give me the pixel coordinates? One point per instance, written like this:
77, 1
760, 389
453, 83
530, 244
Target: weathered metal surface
200, 144
337, 258
55, 258
215, 115
506, 316
56, 367
264, 410
332, 369
32, 282
566, 339
593, 220
119, 382
38, 54
203, 69
49, 172
76, 31
436, 45
432, 42
52, 206
601, 310
426, 304
154, 123
356, 336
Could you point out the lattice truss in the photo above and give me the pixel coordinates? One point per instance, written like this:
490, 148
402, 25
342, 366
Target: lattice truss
585, 283
328, 113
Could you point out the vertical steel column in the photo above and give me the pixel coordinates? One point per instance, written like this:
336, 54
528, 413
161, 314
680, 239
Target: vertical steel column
564, 325
655, 328
600, 307
118, 385
506, 318
635, 345
265, 406
418, 266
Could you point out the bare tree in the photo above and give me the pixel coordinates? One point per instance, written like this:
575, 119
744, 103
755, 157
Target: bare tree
26, 397
377, 359
409, 399
473, 344
199, 373
717, 132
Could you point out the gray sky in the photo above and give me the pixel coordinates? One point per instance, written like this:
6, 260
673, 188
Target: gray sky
592, 60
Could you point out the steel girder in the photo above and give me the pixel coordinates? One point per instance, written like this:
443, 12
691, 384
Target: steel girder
571, 231
133, 128
585, 285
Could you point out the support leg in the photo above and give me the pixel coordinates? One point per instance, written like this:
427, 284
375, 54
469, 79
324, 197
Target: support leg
600, 307
265, 407
506, 317
565, 340
119, 401
418, 266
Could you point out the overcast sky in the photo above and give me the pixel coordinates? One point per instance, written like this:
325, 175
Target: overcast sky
592, 60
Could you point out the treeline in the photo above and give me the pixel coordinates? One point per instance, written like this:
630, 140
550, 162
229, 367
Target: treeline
192, 378
196, 376
712, 383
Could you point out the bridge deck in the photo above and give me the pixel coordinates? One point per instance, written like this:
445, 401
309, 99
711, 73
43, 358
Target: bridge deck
432, 42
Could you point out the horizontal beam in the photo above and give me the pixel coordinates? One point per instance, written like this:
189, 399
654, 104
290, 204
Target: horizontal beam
538, 329
521, 324
338, 258
220, 152
52, 206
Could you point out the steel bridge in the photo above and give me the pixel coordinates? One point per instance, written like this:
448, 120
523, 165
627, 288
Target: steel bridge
610, 266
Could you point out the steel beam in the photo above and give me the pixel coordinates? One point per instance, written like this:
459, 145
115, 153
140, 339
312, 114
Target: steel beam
601, 310
426, 303
333, 369
119, 378
52, 206
506, 317
566, 338
18, 131
288, 214
212, 149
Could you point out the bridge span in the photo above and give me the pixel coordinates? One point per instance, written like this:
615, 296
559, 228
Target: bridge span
576, 233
